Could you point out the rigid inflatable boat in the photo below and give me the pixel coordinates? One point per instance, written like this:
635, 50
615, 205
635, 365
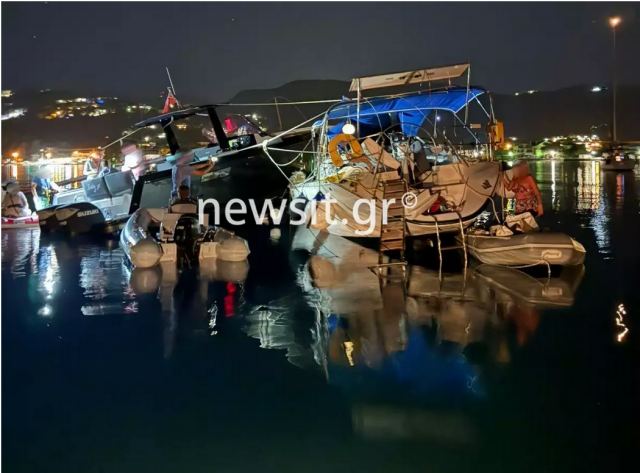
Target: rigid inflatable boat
152, 236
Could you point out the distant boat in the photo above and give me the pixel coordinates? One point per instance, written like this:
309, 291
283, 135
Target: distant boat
617, 160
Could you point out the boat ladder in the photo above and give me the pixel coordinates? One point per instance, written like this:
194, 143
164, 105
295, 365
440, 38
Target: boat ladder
462, 243
393, 231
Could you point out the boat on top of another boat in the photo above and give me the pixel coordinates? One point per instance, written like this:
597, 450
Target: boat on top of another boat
433, 145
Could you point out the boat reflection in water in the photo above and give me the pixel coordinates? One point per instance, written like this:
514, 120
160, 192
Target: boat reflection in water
411, 349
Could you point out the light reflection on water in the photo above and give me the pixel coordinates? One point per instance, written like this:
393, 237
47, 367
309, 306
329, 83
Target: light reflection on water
408, 364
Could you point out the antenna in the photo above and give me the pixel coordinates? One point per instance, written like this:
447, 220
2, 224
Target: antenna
173, 89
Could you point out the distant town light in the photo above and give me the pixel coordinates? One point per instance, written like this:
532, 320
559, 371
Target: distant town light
516, 94
15, 155
7, 93
614, 21
596, 88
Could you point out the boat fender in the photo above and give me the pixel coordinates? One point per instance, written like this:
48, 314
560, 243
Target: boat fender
169, 252
233, 249
356, 154
229, 249
145, 253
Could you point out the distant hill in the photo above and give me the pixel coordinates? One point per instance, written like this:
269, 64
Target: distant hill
526, 116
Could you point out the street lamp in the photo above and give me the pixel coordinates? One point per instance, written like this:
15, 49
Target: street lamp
614, 21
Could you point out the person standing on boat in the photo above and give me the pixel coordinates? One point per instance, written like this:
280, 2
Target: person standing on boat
525, 188
94, 166
15, 204
43, 187
133, 160
182, 171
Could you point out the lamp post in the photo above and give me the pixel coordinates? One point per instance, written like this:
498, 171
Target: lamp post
614, 21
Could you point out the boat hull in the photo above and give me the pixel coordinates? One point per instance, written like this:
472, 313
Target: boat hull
78, 219
626, 165
468, 187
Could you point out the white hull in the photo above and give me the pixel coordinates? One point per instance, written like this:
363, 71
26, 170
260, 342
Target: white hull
466, 188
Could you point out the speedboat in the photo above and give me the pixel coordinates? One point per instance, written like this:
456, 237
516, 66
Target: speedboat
526, 249
30, 221
242, 169
100, 206
369, 149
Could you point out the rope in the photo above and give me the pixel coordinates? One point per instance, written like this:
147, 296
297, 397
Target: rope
272, 104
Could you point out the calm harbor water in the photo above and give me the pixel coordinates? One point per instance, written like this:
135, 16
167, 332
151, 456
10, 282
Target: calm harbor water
260, 368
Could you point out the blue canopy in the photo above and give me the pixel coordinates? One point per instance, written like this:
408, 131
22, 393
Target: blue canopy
411, 110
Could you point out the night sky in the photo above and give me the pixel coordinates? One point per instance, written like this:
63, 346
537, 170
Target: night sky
217, 49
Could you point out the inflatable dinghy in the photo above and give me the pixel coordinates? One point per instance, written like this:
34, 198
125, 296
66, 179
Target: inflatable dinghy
526, 249
30, 221
151, 236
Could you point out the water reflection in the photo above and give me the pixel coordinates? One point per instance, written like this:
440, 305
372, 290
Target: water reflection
495, 359
19, 251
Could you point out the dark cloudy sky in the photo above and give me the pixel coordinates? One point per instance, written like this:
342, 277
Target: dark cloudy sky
217, 49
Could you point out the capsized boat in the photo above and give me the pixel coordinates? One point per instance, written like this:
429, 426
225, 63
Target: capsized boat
367, 146
526, 249
30, 221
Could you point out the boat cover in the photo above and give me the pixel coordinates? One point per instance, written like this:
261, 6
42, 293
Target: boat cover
411, 110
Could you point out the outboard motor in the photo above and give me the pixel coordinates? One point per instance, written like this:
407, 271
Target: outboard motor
81, 217
186, 236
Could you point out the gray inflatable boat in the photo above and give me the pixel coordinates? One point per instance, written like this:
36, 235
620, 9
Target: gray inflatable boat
526, 249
